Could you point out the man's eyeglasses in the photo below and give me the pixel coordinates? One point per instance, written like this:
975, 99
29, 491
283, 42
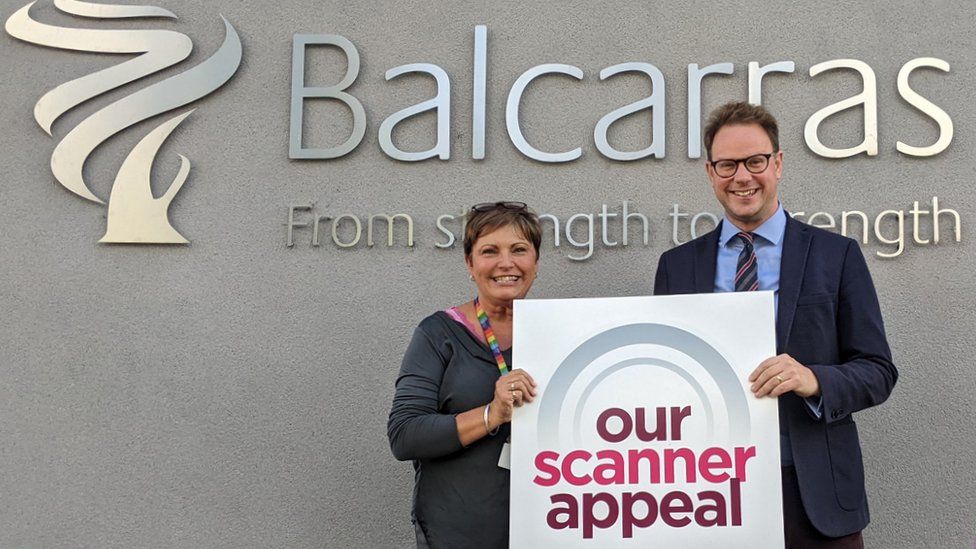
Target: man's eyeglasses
756, 163
491, 206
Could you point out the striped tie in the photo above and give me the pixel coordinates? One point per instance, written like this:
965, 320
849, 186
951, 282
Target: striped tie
746, 272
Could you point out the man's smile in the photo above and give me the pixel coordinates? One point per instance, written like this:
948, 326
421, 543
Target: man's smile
745, 193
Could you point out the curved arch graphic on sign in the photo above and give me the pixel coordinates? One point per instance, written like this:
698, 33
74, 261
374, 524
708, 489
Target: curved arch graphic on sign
644, 361
729, 385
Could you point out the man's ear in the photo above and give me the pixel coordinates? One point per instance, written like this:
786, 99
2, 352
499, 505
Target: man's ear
710, 172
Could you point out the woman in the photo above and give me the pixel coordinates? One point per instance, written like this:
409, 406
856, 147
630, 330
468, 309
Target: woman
455, 395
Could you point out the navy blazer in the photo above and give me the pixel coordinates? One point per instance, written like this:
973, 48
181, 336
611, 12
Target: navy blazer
828, 319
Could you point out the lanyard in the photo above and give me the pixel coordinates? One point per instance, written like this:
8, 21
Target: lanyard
490, 337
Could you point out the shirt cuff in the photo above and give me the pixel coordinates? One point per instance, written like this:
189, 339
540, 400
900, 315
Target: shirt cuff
815, 404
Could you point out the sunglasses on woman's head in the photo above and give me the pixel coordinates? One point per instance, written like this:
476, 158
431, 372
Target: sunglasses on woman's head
489, 206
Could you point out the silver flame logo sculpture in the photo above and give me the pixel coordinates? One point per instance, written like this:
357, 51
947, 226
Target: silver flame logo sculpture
135, 216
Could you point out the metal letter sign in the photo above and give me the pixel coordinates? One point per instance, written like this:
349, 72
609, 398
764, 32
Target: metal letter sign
135, 216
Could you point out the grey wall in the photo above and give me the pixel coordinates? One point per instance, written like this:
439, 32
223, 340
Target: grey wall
234, 392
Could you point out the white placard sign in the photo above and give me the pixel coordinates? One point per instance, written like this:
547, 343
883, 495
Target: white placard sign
645, 432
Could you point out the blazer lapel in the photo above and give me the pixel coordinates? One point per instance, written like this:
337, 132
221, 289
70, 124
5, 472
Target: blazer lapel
796, 245
705, 253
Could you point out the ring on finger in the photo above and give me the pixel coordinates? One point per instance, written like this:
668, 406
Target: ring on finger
779, 378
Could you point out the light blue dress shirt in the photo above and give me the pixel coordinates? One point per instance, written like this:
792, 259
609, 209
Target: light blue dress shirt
768, 245
769, 253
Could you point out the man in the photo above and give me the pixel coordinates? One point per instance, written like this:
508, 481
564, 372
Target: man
833, 357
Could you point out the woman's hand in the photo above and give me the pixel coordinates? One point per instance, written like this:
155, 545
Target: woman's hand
511, 391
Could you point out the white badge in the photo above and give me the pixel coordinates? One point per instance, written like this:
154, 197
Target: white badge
505, 458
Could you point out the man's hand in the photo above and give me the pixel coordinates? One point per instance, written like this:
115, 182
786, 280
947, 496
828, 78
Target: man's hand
781, 374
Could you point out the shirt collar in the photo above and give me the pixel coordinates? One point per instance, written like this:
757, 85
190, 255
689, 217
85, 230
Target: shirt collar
772, 230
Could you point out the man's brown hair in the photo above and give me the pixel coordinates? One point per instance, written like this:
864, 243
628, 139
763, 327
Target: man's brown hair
740, 113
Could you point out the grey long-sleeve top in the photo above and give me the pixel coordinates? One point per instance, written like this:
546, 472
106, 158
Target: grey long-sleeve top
461, 495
